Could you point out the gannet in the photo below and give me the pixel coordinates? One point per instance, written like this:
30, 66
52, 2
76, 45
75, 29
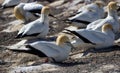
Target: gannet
58, 51
111, 18
88, 13
39, 27
8, 3
100, 39
11, 3
27, 11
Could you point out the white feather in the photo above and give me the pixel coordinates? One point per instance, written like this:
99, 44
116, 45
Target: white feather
52, 50
26, 8
37, 26
89, 13
10, 2
111, 18
101, 39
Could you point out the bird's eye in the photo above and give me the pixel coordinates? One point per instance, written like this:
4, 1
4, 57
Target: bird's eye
91, 10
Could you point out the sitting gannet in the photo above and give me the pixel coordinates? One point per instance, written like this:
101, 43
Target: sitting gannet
57, 52
39, 27
112, 18
8, 3
100, 39
11, 3
27, 11
88, 13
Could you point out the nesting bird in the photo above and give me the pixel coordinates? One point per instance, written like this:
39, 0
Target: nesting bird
11, 3
100, 39
39, 27
27, 11
112, 18
54, 52
88, 13
8, 3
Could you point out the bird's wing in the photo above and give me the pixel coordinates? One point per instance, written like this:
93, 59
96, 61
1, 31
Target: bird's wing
34, 27
96, 37
47, 48
21, 31
94, 24
88, 15
10, 2
33, 7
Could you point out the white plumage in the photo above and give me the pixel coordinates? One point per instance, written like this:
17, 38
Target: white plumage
111, 18
100, 39
8, 3
59, 51
88, 13
27, 11
39, 27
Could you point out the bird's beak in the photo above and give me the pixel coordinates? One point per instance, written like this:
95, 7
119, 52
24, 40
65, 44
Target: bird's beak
53, 16
72, 47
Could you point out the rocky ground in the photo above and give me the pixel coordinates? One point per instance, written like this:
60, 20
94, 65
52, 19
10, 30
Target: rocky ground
105, 60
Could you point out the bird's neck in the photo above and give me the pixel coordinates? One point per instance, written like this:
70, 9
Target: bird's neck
110, 33
113, 14
65, 46
44, 18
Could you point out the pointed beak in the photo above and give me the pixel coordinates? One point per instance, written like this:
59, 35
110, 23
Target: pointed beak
72, 47
53, 16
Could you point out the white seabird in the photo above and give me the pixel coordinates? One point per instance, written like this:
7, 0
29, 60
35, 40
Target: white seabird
27, 11
39, 27
97, 38
112, 18
8, 3
57, 52
11, 3
88, 13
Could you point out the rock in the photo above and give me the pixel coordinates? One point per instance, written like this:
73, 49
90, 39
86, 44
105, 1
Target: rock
13, 26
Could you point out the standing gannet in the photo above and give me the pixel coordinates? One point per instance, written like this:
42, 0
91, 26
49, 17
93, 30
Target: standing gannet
27, 11
100, 39
39, 27
88, 13
57, 52
111, 18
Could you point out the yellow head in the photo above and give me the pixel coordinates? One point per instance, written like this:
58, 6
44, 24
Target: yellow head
100, 3
18, 13
45, 10
105, 27
62, 39
112, 5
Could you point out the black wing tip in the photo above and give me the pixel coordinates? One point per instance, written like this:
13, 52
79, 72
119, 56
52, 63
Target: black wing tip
80, 36
18, 36
80, 21
28, 46
69, 30
35, 51
2, 7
